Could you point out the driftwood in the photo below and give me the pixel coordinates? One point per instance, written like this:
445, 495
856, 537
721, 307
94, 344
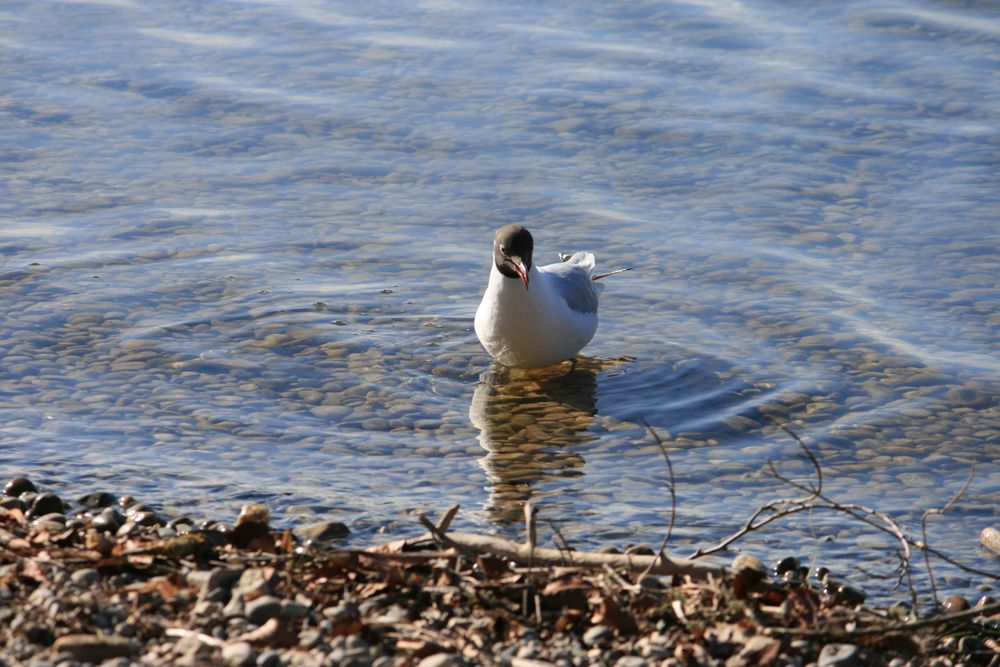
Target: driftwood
524, 554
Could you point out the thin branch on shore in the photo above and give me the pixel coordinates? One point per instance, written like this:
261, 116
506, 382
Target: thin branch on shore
673, 493
523, 554
817, 500
941, 619
923, 529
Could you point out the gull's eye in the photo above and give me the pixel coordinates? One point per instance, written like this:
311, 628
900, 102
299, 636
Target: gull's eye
504, 251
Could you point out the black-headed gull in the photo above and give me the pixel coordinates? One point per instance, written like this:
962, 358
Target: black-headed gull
531, 316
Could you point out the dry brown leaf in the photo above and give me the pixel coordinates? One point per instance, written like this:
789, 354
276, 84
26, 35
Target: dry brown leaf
609, 613
570, 593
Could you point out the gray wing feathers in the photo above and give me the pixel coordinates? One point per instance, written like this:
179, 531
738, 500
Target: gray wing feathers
573, 283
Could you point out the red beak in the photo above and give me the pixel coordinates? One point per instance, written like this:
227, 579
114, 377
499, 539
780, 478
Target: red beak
519, 267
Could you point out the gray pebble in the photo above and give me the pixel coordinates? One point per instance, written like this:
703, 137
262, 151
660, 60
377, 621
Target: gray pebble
839, 655
237, 654
269, 659
631, 661
96, 500
252, 581
235, 607
291, 609
442, 660
263, 609
323, 531
596, 634
109, 520
86, 577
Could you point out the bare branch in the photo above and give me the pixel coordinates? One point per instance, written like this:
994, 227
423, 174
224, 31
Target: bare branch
923, 530
673, 494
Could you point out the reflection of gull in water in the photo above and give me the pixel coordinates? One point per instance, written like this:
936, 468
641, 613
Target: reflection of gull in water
529, 423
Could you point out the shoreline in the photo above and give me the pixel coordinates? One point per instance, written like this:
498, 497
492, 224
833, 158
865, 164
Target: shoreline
105, 580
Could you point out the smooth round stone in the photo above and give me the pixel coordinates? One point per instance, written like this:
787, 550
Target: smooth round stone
749, 566
47, 503
96, 500
237, 654
145, 518
109, 520
323, 531
263, 609
19, 485
954, 603
10, 503
839, 655
86, 577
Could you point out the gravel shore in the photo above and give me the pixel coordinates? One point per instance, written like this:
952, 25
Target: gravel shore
107, 580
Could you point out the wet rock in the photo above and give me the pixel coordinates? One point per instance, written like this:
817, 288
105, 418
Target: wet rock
984, 601
145, 518
253, 513
838, 592
95, 648
786, 564
323, 531
108, 520
54, 523
181, 524
46, 503
639, 550
12, 503
839, 655
96, 500
19, 485
954, 603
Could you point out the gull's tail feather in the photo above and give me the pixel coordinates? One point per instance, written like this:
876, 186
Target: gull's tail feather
611, 273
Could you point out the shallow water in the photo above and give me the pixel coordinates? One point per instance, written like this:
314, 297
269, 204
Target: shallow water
242, 244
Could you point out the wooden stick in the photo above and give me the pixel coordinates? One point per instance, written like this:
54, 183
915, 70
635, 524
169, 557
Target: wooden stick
524, 554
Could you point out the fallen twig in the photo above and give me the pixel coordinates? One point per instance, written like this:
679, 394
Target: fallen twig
940, 619
523, 554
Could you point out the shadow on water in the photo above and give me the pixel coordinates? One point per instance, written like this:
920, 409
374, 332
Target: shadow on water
535, 425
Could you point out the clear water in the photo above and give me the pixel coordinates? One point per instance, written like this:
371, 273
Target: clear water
242, 244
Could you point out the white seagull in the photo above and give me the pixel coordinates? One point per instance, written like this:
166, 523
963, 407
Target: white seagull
531, 316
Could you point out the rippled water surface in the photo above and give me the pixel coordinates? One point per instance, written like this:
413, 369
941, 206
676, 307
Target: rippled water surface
242, 244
